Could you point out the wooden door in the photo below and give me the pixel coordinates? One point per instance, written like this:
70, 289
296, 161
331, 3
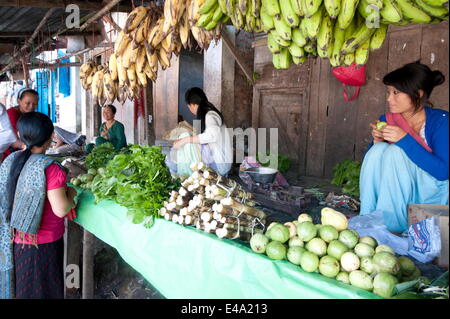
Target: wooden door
283, 109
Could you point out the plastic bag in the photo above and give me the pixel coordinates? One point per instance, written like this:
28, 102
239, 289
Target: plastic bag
7, 135
373, 225
424, 240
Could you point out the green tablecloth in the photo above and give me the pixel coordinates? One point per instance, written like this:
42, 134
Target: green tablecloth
182, 262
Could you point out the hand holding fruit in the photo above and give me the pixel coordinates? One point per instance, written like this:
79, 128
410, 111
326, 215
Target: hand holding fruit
377, 134
393, 133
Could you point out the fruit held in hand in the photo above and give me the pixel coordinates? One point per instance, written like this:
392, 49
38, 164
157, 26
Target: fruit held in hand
381, 125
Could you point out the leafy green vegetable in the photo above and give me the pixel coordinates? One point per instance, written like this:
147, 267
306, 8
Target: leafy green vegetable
346, 175
100, 155
138, 180
284, 163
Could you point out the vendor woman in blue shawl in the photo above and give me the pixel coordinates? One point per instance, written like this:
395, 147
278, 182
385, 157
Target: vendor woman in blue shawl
408, 160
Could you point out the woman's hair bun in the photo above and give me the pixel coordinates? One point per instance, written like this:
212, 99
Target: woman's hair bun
437, 77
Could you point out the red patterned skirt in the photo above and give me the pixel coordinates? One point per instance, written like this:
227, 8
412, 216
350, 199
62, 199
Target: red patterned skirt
39, 272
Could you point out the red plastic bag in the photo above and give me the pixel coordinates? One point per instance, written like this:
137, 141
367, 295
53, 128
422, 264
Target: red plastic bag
351, 75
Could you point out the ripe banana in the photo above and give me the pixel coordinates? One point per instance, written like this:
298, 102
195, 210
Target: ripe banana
310, 7
298, 38
283, 29
121, 72
324, 36
362, 53
437, 12
348, 8
358, 37
272, 7
184, 30
112, 65
288, 14
412, 12
108, 87
135, 18
141, 59
131, 75
97, 86
333, 7
391, 13
141, 32
121, 43
377, 39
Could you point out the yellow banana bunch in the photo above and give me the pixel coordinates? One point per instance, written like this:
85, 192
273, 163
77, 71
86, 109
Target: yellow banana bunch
135, 18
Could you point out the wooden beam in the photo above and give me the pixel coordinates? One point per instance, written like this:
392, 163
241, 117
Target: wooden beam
53, 65
39, 27
244, 67
7, 35
100, 14
83, 5
87, 290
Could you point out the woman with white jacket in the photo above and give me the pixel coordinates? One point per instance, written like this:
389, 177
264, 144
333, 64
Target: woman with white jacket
214, 138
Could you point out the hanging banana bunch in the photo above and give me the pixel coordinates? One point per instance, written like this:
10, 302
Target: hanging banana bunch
343, 31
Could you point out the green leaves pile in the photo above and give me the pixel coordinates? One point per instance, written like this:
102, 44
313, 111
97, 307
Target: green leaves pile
346, 175
100, 155
138, 180
284, 163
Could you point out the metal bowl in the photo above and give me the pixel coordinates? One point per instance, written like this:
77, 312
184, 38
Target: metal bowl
262, 174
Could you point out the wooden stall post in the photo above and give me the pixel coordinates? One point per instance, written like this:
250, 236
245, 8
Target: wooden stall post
87, 291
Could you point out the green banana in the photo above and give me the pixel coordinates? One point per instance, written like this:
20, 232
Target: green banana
435, 21
303, 28
272, 7
391, 13
276, 60
333, 7
283, 29
377, 39
267, 20
436, 3
310, 48
413, 13
298, 61
313, 23
298, 38
311, 7
211, 25
256, 6
348, 8
288, 14
348, 59
362, 53
358, 37
207, 6
339, 38
273, 46
285, 58
437, 12
324, 36
223, 6
296, 51
205, 18
242, 6
218, 14
297, 7
239, 19
283, 43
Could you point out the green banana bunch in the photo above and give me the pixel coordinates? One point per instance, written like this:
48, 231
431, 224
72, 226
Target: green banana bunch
311, 48
348, 59
231, 8
283, 43
370, 12
256, 5
303, 28
377, 39
288, 14
437, 12
391, 13
274, 47
266, 20
242, 6
272, 7
297, 7
283, 29
333, 7
207, 17
324, 38
413, 13
313, 23
310, 7
362, 53
377, 3
298, 37
338, 41
207, 6
357, 38
348, 8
